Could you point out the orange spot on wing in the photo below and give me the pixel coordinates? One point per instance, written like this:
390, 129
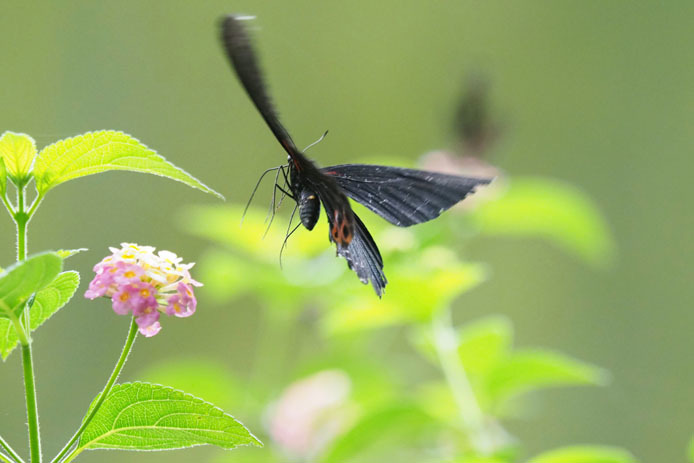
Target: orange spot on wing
341, 230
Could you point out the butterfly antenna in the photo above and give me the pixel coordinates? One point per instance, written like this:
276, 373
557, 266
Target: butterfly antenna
317, 141
289, 233
256, 189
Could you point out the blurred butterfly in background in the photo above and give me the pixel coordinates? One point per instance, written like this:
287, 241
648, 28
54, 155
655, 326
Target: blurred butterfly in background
402, 196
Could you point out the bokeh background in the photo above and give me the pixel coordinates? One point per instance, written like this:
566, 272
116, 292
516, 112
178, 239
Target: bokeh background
598, 95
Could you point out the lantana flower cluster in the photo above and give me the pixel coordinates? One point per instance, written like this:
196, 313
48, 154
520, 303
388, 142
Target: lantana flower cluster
145, 284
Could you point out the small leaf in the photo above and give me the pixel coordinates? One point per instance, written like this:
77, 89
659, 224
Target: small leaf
550, 209
534, 369
95, 152
47, 302
25, 278
143, 416
18, 151
585, 454
65, 253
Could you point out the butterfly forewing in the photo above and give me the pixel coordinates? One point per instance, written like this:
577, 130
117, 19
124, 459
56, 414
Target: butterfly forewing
239, 49
402, 196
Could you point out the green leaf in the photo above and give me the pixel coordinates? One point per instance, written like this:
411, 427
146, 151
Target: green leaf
429, 280
691, 450
144, 416
47, 302
404, 422
96, 152
585, 454
17, 151
553, 210
484, 343
534, 369
65, 253
25, 278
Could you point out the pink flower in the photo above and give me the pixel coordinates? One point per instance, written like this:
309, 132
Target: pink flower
182, 304
145, 285
311, 413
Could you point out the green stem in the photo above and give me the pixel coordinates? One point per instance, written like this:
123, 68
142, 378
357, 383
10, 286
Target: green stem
5, 458
8, 205
34, 206
21, 220
32, 407
132, 334
471, 415
13, 455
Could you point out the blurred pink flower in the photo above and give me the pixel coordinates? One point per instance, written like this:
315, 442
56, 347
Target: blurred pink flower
144, 284
311, 412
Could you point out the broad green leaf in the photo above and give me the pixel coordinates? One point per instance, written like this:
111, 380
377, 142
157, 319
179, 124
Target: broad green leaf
691, 450
528, 370
585, 454
144, 416
47, 302
18, 151
417, 288
3, 177
391, 426
25, 278
483, 343
95, 152
549, 209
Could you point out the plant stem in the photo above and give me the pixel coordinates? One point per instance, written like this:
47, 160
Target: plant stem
32, 407
8, 205
21, 219
132, 334
471, 415
14, 457
24, 331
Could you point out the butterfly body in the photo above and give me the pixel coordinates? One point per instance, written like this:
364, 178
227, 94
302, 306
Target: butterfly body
402, 196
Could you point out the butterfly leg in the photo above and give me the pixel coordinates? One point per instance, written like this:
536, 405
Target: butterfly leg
289, 233
274, 206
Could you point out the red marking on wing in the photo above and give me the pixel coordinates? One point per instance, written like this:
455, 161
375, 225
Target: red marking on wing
341, 230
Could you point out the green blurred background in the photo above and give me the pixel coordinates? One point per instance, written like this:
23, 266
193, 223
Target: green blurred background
598, 94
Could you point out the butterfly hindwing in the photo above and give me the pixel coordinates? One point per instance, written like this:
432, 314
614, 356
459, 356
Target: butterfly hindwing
402, 196
363, 257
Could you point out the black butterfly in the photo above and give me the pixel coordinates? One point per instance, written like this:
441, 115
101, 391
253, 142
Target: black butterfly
403, 197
